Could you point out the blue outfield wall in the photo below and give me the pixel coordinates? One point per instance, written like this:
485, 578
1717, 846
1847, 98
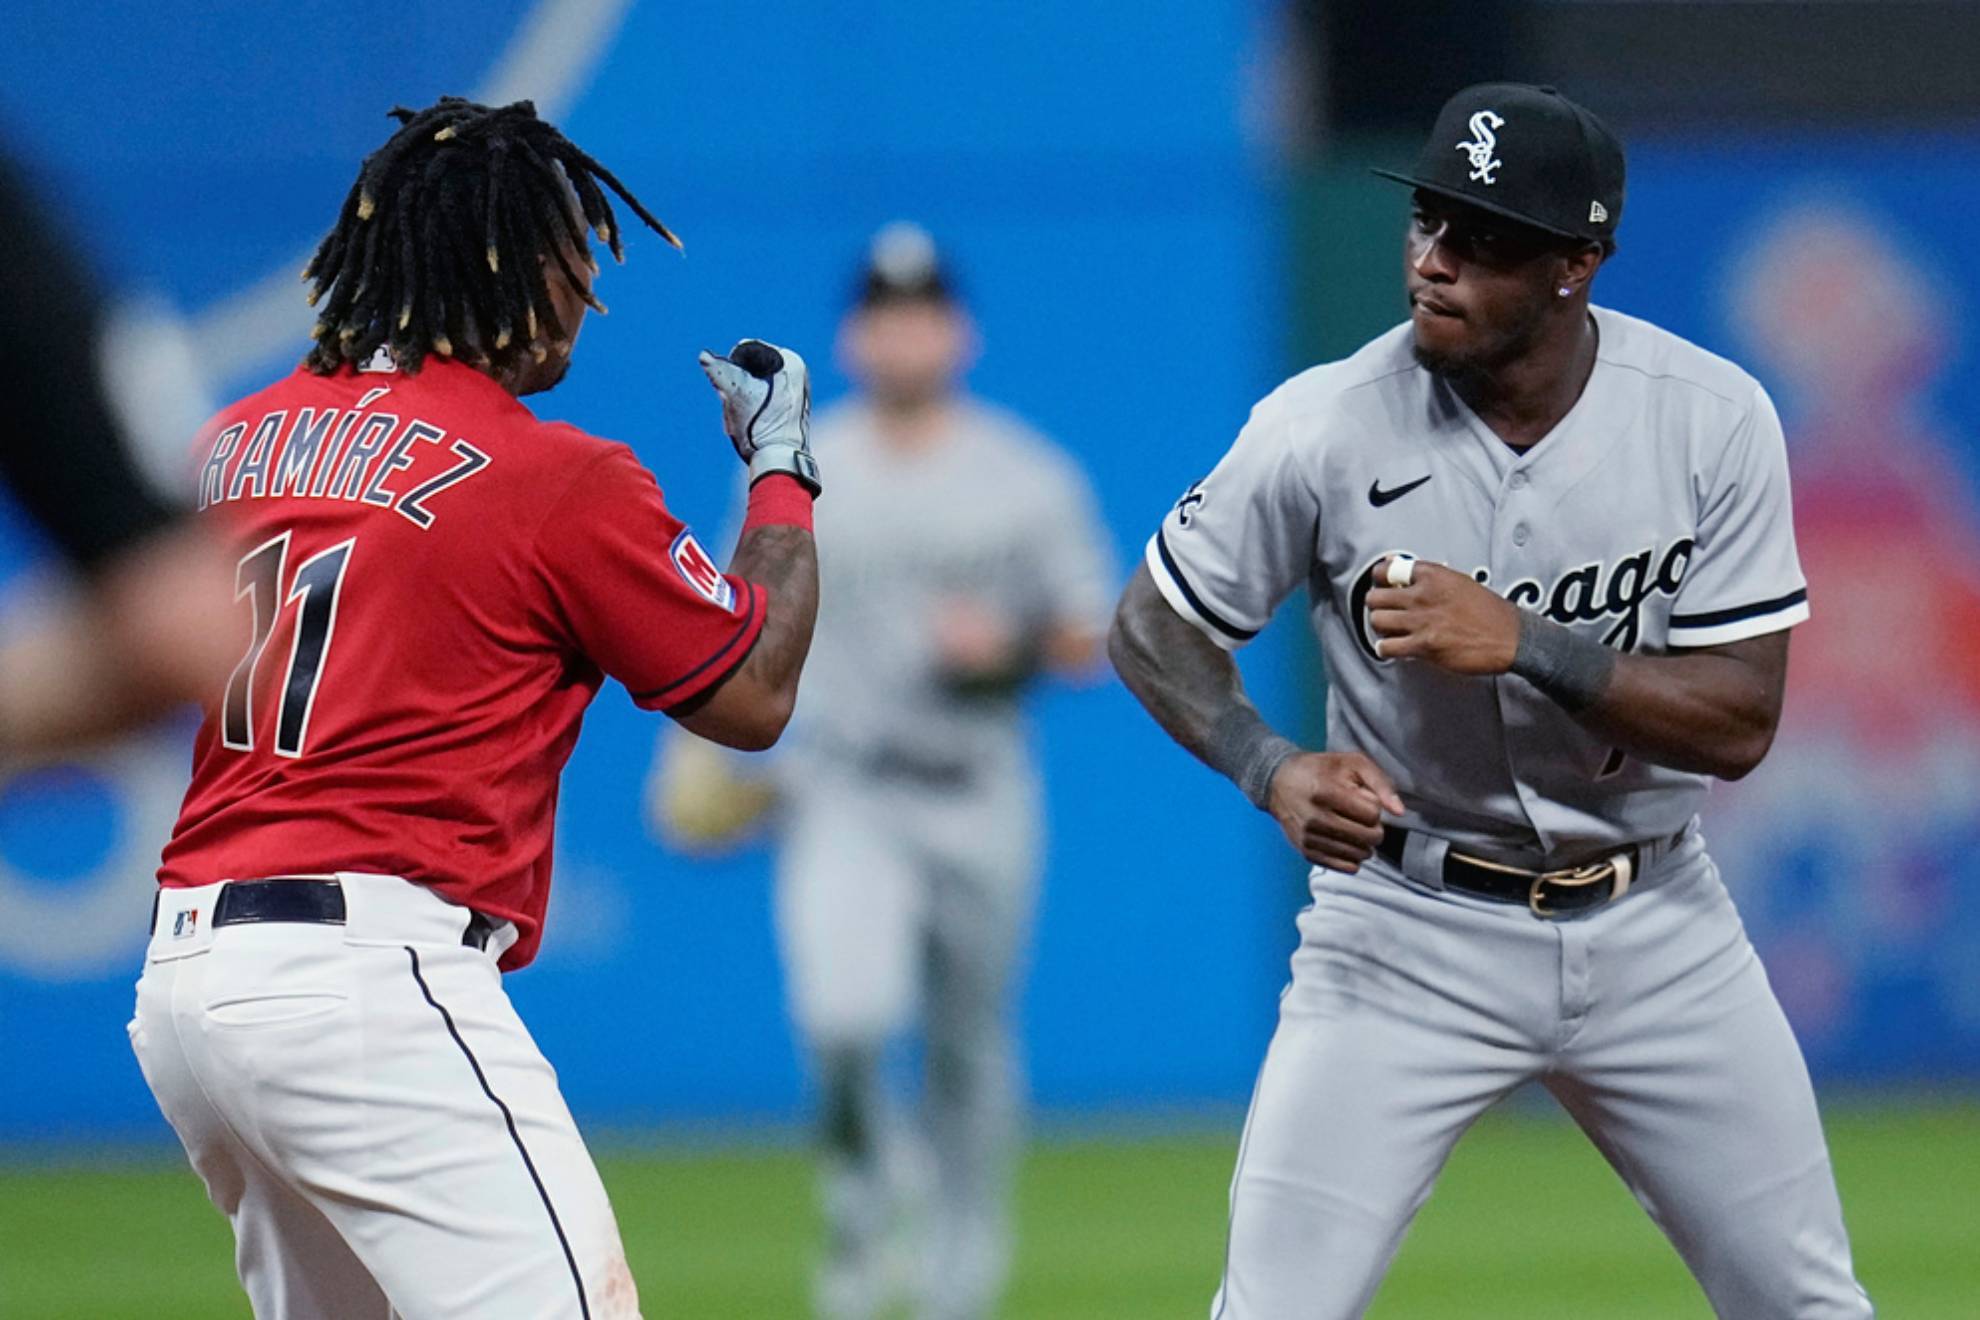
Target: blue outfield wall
1087, 165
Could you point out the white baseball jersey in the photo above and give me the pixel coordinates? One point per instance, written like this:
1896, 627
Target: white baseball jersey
908, 865
994, 514
1655, 516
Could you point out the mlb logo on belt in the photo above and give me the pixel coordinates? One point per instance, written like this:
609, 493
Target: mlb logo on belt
185, 924
700, 572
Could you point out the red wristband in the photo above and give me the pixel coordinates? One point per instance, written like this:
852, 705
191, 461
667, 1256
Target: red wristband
778, 500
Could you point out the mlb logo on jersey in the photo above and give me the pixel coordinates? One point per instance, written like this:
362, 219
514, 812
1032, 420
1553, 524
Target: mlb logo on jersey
185, 924
699, 571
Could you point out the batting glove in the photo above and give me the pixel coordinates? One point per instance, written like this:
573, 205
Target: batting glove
766, 409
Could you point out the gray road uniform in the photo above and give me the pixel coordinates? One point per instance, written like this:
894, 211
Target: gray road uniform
1655, 516
907, 866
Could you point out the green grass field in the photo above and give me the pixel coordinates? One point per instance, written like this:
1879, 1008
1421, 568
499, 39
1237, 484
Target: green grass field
1112, 1229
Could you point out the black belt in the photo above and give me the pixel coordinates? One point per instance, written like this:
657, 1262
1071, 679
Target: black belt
1547, 893
931, 772
307, 900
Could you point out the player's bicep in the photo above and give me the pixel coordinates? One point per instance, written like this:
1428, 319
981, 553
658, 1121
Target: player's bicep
639, 595
1151, 637
1239, 541
736, 711
1763, 659
1743, 578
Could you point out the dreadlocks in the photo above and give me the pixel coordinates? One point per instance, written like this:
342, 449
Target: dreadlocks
445, 240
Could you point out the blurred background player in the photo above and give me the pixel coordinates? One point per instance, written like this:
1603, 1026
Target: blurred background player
152, 621
967, 560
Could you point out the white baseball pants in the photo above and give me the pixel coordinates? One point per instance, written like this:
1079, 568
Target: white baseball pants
1411, 1011
372, 1117
899, 908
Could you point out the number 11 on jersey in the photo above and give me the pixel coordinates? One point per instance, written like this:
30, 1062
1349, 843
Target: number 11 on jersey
317, 584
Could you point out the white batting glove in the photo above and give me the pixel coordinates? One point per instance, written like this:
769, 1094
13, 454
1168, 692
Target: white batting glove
766, 408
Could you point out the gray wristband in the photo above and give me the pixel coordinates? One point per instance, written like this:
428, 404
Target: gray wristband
792, 460
1571, 669
1243, 747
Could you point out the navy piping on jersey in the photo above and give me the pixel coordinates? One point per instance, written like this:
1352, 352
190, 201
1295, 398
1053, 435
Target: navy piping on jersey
1209, 615
570, 1258
742, 631
1714, 618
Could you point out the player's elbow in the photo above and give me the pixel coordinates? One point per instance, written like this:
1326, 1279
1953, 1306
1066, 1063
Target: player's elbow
1741, 753
743, 713
764, 724
1122, 650
1128, 646
775, 719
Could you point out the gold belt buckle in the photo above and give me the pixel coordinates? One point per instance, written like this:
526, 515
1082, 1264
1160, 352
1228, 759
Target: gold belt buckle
1577, 878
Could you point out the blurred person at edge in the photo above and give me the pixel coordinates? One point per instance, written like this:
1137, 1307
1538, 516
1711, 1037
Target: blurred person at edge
968, 561
151, 622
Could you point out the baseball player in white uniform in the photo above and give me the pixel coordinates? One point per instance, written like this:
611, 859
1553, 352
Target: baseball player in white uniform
1551, 567
968, 560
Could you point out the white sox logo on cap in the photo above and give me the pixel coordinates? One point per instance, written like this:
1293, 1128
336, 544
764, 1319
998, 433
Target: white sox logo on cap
1483, 146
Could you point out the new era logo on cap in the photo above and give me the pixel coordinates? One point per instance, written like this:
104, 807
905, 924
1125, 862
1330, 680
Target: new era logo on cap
1598, 214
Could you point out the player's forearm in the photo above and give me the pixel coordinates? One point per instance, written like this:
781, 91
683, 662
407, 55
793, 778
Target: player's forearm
749, 708
783, 560
1066, 651
1193, 689
1710, 711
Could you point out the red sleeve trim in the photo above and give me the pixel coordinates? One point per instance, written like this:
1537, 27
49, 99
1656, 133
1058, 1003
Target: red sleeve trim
725, 661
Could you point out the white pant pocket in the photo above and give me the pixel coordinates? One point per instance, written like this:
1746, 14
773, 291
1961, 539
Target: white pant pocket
273, 1010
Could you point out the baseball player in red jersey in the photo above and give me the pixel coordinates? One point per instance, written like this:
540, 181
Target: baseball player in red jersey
439, 583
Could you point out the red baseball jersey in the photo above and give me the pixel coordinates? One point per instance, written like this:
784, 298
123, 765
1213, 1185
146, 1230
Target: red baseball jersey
439, 583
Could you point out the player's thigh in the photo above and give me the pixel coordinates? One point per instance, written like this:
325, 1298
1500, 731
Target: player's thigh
850, 904
980, 852
429, 1130
974, 939
1714, 1128
1365, 1088
157, 1042
292, 1263
1688, 1077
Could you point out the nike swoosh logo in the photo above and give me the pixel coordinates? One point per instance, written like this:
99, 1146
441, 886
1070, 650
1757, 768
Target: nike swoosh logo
1378, 497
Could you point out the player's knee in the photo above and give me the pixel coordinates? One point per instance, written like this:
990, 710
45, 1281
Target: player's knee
849, 1095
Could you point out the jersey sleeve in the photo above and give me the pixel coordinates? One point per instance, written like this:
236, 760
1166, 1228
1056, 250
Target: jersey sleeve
637, 593
1744, 577
1240, 540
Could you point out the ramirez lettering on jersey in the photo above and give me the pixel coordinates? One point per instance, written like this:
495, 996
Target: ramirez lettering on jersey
363, 455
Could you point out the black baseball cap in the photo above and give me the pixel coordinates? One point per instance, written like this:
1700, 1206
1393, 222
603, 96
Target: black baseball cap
1526, 153
903, 265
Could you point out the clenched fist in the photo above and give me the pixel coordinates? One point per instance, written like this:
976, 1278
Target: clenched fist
1443, 617
766, 408
1330, 805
